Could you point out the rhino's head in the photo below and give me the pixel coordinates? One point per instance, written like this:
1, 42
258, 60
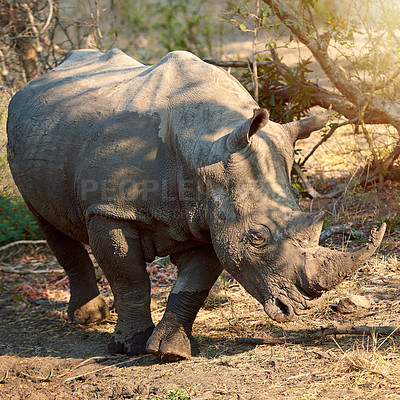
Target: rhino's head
258, 230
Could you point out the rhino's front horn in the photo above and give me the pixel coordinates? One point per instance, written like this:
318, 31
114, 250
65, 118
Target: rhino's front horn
302, 128
239, 138
325, 268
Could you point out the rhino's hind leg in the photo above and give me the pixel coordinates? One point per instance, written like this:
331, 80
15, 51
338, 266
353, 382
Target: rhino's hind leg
86, 305
116, 247
172, 338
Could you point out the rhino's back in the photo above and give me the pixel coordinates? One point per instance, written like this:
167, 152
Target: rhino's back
85, 135
69, 125
64, 108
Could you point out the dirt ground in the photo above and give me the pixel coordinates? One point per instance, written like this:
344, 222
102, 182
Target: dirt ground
45, 357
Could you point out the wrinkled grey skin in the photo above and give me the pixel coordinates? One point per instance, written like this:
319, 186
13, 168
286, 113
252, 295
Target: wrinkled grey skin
173, 159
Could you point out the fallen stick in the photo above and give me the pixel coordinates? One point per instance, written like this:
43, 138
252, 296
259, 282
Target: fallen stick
91, 360
357, 330
316, 334
84, 363
37, 379
31, 271
5, 377
104, 368
273, 341
20, 242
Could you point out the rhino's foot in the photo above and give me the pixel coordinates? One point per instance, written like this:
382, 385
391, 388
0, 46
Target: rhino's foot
94, 310
171, 341
133, 346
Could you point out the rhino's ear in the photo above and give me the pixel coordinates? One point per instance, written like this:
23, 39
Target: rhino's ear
302, 128
239, 138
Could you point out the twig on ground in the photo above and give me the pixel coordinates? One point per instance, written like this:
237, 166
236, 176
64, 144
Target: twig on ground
90, 360
104, 368
11, 270
317, 334
22, 242
83, 363
5, 377
396, 331
300, 376
37, 378
273, 341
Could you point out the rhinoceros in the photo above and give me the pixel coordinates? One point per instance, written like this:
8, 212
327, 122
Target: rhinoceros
174, 159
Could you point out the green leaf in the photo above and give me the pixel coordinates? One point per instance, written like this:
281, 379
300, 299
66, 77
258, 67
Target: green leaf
243, 28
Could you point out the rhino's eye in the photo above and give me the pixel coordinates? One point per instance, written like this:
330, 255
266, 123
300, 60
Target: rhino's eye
258, 238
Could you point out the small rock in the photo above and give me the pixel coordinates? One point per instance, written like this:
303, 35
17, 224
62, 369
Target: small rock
353, 303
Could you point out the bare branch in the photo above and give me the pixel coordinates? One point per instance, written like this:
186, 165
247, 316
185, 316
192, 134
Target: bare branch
324, 139
384, 109
331, 69
132, 359
308, 188
234, 64
50, 16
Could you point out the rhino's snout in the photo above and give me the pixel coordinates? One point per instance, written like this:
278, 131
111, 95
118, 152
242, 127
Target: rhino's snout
279, 310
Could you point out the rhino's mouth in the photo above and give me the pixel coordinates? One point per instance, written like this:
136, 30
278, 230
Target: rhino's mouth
289, 301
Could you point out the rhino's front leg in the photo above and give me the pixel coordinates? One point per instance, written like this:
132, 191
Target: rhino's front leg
172, 338
116, 246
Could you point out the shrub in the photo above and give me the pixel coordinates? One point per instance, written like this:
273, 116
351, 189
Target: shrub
273, 85
16, 222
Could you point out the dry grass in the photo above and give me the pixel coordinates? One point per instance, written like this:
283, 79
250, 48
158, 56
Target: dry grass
7, 186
